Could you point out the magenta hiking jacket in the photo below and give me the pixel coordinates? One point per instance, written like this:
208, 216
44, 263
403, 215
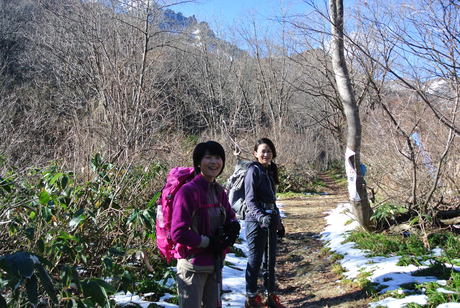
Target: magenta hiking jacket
189, 201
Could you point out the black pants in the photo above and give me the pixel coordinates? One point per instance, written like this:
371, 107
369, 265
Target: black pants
257, 239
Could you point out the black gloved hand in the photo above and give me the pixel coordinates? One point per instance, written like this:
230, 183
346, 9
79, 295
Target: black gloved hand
216, 244
266, 221
281, 231
231, 232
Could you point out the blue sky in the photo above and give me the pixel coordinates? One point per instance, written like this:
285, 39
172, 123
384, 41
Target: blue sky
224, 15
234, 12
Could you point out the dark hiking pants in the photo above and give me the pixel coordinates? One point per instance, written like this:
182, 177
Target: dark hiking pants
257, 239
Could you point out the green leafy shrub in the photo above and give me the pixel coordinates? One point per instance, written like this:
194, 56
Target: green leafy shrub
387, 213
23, 272
379, 244
436, 269
97, 225
436, 298
408, 260
448, 241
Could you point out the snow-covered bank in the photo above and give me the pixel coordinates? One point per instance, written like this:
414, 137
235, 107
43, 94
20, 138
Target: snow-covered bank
384, 270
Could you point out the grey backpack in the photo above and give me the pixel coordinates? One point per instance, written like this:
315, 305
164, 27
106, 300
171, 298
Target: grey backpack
235, 188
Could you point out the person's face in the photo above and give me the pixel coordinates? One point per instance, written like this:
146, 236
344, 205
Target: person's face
211, 166
264, 154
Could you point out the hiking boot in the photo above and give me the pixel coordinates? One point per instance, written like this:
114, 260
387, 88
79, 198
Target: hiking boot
274, 301
253, 302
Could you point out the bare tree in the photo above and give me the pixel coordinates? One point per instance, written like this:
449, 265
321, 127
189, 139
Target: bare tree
416, 45
106, 76
356, 182
424, 36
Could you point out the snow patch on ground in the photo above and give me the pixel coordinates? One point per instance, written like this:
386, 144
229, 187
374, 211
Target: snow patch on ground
384, 270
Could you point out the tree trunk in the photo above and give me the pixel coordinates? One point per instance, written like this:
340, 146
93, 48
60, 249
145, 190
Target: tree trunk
356, 183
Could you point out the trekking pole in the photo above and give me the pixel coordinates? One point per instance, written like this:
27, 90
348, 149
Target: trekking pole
268, 254
265, 264
219, 266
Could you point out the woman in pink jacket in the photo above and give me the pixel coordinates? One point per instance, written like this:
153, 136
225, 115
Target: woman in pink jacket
203, 226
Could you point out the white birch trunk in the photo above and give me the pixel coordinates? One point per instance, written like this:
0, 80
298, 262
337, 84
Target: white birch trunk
356, 184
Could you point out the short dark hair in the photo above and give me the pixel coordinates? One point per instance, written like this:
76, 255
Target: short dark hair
207, 148
267, 142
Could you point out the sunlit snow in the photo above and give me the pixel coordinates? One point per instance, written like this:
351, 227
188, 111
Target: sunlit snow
339, 221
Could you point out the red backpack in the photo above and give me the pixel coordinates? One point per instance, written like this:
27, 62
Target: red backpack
177, 177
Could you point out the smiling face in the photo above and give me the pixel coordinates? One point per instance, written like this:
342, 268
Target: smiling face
211, 166
264, 154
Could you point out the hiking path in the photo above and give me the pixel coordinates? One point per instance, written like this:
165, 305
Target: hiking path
304, 269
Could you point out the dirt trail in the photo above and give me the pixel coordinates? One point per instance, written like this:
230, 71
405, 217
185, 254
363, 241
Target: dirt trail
305, 277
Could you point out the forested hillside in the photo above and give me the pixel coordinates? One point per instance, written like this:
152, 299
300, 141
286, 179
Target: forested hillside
99, 99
